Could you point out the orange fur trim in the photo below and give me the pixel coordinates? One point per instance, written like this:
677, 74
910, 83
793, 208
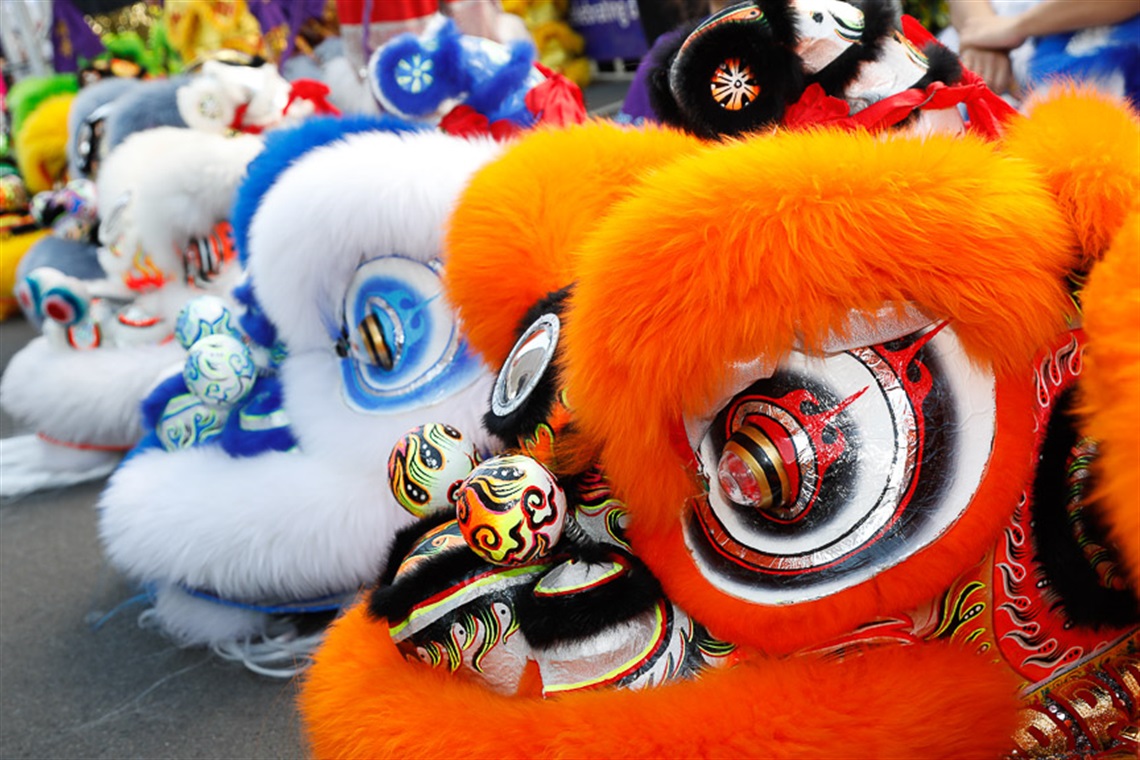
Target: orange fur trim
1087, 145
512, 238
361, 699
1110, 388
738, 251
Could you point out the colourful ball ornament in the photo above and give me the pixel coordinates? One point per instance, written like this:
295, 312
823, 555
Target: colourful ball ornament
511, 510
202, 316
219, 370
427, 465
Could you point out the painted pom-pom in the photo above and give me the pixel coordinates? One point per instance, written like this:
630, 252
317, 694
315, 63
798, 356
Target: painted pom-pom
427, 465
202, 316
58, 297
511, 510
219, 370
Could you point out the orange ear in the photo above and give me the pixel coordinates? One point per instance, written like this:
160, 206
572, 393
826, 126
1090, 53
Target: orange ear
512, 239
1087, 146
741, 250
1110, 388
729, 257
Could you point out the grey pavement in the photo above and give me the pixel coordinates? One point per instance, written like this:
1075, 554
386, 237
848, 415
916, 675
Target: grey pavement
79, 682
70, 688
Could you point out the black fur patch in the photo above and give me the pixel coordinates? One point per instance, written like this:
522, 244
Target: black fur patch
545, 621
681, 94
536, 409
1083, 599
395, 601
661, 98
944, 66
776, 69
781, 20
408, 537
878, 25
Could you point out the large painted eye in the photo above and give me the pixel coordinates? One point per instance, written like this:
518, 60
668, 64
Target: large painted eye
113, 227
404, 346
827, 29
88, 146
525, 365
204, 258
835, 468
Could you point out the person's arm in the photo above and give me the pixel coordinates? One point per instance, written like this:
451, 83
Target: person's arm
993, 66
1047, 17
963, 12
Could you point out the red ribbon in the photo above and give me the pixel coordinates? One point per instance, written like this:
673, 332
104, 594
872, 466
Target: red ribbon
987, 112
316, 93
301, 89
556, 100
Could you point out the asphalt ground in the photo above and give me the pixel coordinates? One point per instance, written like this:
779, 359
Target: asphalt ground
79, 678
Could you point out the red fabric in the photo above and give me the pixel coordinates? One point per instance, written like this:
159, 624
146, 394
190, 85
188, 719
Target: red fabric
557, 100
316, 93
987, 112
465, 121
239, 121
352, 11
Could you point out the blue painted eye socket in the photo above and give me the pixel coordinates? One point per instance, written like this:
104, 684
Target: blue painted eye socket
404, 345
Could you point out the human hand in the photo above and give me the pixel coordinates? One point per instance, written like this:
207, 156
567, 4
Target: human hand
992, 33
991, 65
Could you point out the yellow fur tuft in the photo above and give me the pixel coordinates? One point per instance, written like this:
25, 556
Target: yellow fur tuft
41, 148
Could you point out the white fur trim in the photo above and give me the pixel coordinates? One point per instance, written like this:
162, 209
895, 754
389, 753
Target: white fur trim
368, 195
84, 397
181, 183
279, 525
29, 463
191, 621
318, 520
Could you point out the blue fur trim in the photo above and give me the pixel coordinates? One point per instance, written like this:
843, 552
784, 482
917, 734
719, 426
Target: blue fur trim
284, 147
238, 440
503, 94
443, 65
253, 321
320, 604
1119, 55
154, 104
152, 409
154, 404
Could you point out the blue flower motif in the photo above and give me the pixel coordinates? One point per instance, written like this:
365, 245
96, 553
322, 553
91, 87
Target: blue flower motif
414, 74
